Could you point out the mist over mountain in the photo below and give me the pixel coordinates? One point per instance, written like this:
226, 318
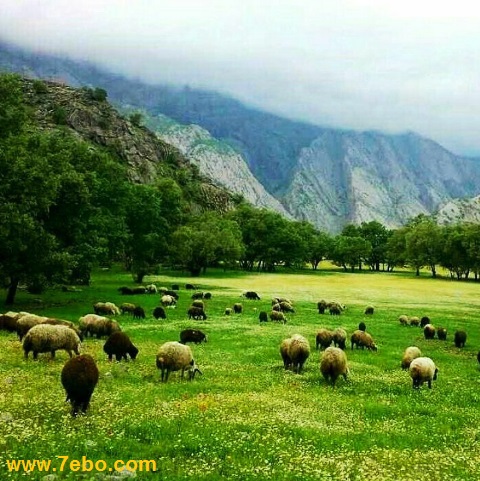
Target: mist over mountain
327, 176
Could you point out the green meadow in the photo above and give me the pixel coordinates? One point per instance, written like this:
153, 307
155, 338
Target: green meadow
247, 418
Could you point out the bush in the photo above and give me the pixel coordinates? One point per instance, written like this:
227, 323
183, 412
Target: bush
40, 87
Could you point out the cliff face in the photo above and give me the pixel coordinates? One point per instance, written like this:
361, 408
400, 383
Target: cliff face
459, 210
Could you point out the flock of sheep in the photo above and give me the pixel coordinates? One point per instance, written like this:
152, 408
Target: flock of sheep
80, 374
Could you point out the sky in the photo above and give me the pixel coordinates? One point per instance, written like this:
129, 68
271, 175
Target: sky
391, 66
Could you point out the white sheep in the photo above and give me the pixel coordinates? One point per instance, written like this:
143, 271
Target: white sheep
423, 369
97, 325
409, 355
50, 338
168, 301
174, 356
334, 364
26, 322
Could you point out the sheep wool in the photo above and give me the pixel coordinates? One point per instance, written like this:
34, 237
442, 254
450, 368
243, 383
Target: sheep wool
298, 352
403, 319
460, 338
174, 356
97, 325
278, 316
423, 369
334, 364
192, 335
119, 345
409, 355
363, 339
324, 338
414, 321
340, 338
369, 310
79, 377
48, 338
26, 322
429, 331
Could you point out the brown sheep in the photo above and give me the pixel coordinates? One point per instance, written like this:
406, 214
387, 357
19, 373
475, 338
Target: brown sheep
324, 338
429, 331
363, 339
119, 345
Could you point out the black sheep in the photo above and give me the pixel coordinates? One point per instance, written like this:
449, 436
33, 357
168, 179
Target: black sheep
119, 345
171, 293
192, 335
362, 327
321, 306
263, 316
125, 291
424, 321
190, 287
197, 295
159, 313
139, 313
196, 313
251, 295
460, 338
79, 378
207, 295
237, 308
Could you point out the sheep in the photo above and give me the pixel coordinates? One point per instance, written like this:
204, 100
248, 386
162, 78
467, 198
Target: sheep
196, 313
198, 303
127, 307
190, 287
429, 331
174, 356
321, 306
278, 317
197, 295
139, 313
423, 369
335, 309
139, 290
125, 291
362, 326
99, 326
8, 321
363, 339
159, 313
48, 338
334, 364
119, 345
459, 338
168, 301
295, 351
106, 308
424, 321
442, 333
252, 295
409, 355
79, 377
414, 321
263, 316
237, 308
403, 319
207, 295
151, 289
324, 338
61, 322
162, 290
369, 310
192, 335
228, 311
339, 338
26, 322
286, 307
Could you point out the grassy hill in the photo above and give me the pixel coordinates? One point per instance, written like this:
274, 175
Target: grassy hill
246, 417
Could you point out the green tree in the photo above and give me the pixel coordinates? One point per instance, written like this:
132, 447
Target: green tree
377, 234
349, 252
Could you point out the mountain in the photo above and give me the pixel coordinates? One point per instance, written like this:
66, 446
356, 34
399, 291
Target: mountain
327, 176
459, 210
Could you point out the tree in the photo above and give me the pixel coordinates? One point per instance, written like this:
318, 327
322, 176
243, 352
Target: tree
349, 252
377, 234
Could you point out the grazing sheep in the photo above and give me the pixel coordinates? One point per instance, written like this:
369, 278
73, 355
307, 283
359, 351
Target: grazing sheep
190, 287
106, 308
61, 322
429, 331
278, 317
192, 335
119, 345
362, 327
228, 311
198, 303
295, 351
324, 338
196, 313
237, 308
409, 355
151, 289
175, 287
442, 333
263, 316
197, 295
139, 290
26, 322
414, 321
207, 295
335, 309
127, 307
8, 321
333, 364
423, 369
79, 378
174, 356
339, 338
99, 326
424, 321
403, 319
322, 307
159, 313
251, 295
460, 338
286, 307
173, 294
48, 338
126, 291
369, 310
363, 339
168, 301
139, 313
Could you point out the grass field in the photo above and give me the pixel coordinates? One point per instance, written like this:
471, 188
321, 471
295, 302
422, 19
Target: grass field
246, 417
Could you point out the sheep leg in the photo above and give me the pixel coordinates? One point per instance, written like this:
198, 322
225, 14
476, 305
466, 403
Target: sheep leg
430, 384
53, 354
118, 357
35, 355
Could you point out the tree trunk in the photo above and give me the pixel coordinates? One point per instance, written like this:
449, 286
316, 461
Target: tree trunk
417, 273
12, 291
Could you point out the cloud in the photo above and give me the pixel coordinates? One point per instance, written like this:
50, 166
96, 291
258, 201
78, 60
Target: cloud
362, 64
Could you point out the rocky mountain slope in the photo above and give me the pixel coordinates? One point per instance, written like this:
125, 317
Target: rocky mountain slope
329, 177
459, 210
